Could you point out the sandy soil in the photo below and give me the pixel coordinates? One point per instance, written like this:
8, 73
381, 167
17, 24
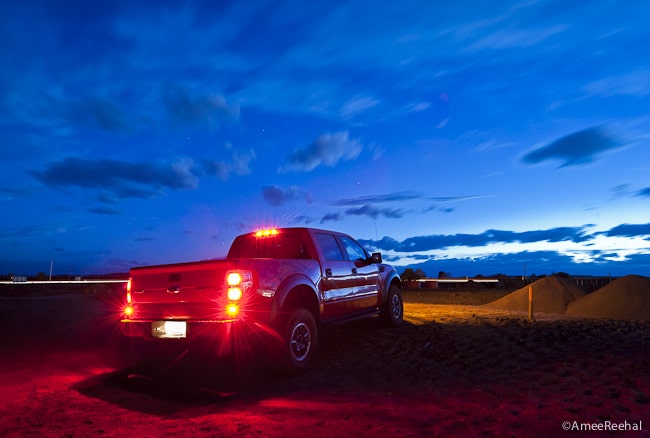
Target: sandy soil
451, 370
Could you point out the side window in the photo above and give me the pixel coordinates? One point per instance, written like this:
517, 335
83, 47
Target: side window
354, 250
329, 247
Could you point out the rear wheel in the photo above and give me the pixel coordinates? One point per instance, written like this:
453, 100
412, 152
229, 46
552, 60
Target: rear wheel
392, 312
300, 340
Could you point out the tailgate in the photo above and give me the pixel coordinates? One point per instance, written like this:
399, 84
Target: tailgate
188, 291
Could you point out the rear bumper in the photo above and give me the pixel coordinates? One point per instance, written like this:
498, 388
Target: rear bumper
142, 328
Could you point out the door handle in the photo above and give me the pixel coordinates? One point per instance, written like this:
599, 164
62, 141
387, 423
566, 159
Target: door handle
354, 270
328, 272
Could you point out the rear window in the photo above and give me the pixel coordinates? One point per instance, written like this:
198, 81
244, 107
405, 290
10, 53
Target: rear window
285, 245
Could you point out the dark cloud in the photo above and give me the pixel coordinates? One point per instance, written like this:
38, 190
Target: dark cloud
575, 149
377, 199
644, 192
187, 108
402, 197
441, 241
237, 164
534, 263
629, 230
326, 150
121, 179
277, 196
104, 211
365, 205
440, 209
301, 220
374, 212
525, 262
331, 217
456, 198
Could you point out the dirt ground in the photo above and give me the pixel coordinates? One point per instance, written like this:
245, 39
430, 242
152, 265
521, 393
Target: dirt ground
453, 369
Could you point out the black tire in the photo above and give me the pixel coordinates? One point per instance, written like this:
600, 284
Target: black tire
392, 312
300, 340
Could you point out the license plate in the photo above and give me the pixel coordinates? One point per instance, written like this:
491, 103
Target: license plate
169, 329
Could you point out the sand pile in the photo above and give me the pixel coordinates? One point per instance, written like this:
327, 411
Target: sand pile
626, 298
550, 295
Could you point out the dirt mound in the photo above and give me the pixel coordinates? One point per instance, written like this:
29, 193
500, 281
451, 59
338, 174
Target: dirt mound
626, 298
550, 295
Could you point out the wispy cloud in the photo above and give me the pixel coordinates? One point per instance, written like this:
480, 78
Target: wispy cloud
522, 38
357, 106
635, 84
276, 196
578, 148
12, 192
377, 199
402, 197
198, 108
100, 112
238, 164
327, 150
368, 205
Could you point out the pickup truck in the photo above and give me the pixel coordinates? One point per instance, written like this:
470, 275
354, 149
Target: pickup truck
277, 284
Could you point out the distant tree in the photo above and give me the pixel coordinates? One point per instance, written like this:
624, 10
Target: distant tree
410, 274
562, 274
443, 274
41, 276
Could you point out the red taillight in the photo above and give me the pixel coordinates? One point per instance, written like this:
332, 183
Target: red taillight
235, 294
234, 279
238, 283
232, 310
128, 309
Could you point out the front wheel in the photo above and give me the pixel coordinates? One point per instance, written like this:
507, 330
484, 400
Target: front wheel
300, 339
392, 312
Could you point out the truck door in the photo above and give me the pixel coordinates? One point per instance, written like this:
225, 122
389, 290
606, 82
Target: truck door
338, 282
366, 276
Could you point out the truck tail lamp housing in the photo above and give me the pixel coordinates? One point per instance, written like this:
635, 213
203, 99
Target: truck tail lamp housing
128, 309
238, 284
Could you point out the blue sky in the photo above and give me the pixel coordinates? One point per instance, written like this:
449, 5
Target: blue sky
466, 137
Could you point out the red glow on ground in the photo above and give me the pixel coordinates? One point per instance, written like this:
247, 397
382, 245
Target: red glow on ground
465, 372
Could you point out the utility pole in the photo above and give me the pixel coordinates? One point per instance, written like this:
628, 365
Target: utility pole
51, 264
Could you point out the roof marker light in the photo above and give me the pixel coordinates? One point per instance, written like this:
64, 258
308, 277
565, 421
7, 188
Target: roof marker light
267, 233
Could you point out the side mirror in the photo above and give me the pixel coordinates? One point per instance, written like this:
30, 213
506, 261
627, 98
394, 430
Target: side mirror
376, 257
